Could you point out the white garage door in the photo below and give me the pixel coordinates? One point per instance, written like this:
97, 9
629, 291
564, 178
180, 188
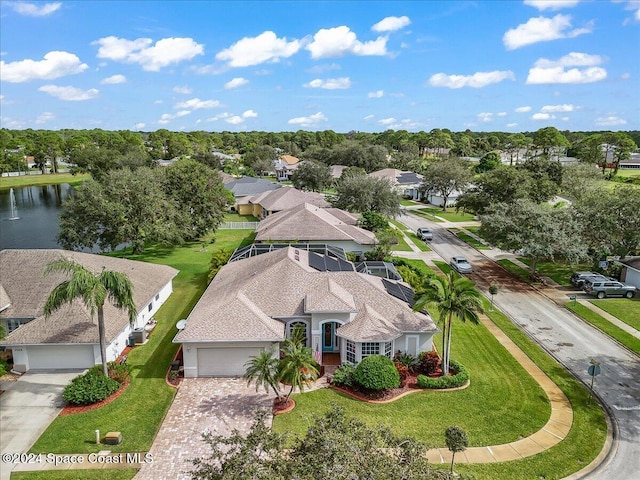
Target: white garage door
58, 357
224, 362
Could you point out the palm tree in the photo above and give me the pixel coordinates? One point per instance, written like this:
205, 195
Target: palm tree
263, 370
298, 366
93, 290
453, 296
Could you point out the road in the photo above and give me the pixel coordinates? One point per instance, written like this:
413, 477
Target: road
568, 339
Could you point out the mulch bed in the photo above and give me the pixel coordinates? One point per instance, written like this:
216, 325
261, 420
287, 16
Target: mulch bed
283, 407
71, 409
410, 385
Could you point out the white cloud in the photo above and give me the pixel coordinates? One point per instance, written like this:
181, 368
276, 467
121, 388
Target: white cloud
45, 117
69, 94
324, 68
560, 75
114, 79
573, 59
167, 117
542, 29
310, 121
559, 108
541, 116
485, 117
56, 64
551, 4
182, 90
330, 83
33, 10
139, 126
610, 121
477, 80
387, 121
235, 83
511, 125
158, 102
234, 120
369, 117
502, 114
376, 94
266, 47
150, 57
391, 24
339, 41
249, 114
197, 104
625, 76
524, 109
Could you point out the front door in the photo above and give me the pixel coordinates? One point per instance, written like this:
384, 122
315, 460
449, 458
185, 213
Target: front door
329, 341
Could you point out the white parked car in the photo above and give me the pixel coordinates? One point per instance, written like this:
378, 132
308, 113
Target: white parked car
460, 264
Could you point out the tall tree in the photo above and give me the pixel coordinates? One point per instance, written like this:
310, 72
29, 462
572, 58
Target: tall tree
93, 290
360, 193
550, 141
454, 298
445, 177
313, 176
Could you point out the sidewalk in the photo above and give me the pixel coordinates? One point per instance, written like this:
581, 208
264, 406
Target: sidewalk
607, 316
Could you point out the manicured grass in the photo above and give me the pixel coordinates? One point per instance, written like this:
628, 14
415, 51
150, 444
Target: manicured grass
408, 203
428, 216
450, 215
139, 411
631, 342
420, 266
236, 217
624, 309
27, 180
399, 226
80, 474
624, 172
578, 449
502, 403
517, 270
469, 240
559, 272
421, 244
443, 266
402, 245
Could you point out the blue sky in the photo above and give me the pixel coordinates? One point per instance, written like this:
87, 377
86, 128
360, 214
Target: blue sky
283, 66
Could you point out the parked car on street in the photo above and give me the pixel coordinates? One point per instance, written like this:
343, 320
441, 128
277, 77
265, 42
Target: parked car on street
608, 288
577, 279
460, 264
424, 233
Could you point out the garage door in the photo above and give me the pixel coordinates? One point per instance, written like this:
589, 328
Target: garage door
224, 362
57, 357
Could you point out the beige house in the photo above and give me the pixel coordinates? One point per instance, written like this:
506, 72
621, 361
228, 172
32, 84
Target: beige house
255, 303
308, 223
285, 167
69, 337
268, 203
405, 183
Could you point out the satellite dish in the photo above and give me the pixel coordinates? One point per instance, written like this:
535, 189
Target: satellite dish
181, 324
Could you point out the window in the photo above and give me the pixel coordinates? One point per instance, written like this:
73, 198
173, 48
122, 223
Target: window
370, 348
351, 351
157, 296
302, 327
387, 349
151, 306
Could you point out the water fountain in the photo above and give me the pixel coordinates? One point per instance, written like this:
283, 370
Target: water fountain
14, 209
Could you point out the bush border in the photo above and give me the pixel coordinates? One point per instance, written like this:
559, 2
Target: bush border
452, 381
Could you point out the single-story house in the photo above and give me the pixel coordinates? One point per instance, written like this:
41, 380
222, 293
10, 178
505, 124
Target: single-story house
285, 167
406, 183
308, 223
630, 272
436, 198
255, 303
336, 171
248, 186
270, 202
69, 337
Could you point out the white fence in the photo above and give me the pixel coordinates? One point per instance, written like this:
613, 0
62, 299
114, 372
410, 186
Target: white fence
238, 226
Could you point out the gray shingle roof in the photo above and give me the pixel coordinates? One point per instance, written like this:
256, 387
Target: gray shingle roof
307, 222
24, 283
280, 285
398, 177
243, 186
287, 197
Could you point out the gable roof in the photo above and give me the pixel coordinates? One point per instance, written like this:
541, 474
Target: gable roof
244, 186
287, 197
281, 285
289, 159
398, 177
307, 222
632, 262
24, 283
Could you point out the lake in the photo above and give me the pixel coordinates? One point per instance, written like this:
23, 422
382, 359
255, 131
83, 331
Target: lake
38, 208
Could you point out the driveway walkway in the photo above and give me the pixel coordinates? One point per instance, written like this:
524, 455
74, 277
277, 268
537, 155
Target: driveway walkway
26, 410
216, 405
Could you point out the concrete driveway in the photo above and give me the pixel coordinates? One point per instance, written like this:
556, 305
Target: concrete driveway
216, 405
27, 409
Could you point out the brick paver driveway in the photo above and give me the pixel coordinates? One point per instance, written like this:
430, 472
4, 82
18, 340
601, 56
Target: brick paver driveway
217, 405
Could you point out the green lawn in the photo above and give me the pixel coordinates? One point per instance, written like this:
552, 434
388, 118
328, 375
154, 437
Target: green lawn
139, 411
408, 203
628, 172
558, 271
631, 342
419, 265
236, 217
27, 180
402, 245
624, 309
443, 266
450, 215
468, 239
428, 216
517, 270
421, 244
502, 403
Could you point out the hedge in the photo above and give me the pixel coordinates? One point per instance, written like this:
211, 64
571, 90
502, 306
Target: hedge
450, 381
377, 372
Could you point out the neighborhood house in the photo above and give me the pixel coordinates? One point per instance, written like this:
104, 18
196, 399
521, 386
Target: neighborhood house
255, 303
68, 339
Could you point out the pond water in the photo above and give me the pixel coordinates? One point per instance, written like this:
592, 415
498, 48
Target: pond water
38, 209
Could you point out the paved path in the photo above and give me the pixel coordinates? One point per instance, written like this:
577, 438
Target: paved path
607, 316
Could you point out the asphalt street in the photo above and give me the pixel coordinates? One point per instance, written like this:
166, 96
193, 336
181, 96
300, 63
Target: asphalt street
568, 339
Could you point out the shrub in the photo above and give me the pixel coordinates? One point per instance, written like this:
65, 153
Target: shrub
89, 388
407, 360
120, 373
343, 376
218, 260
4, 367
403, 371
429, 362
377, 372
459, 378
